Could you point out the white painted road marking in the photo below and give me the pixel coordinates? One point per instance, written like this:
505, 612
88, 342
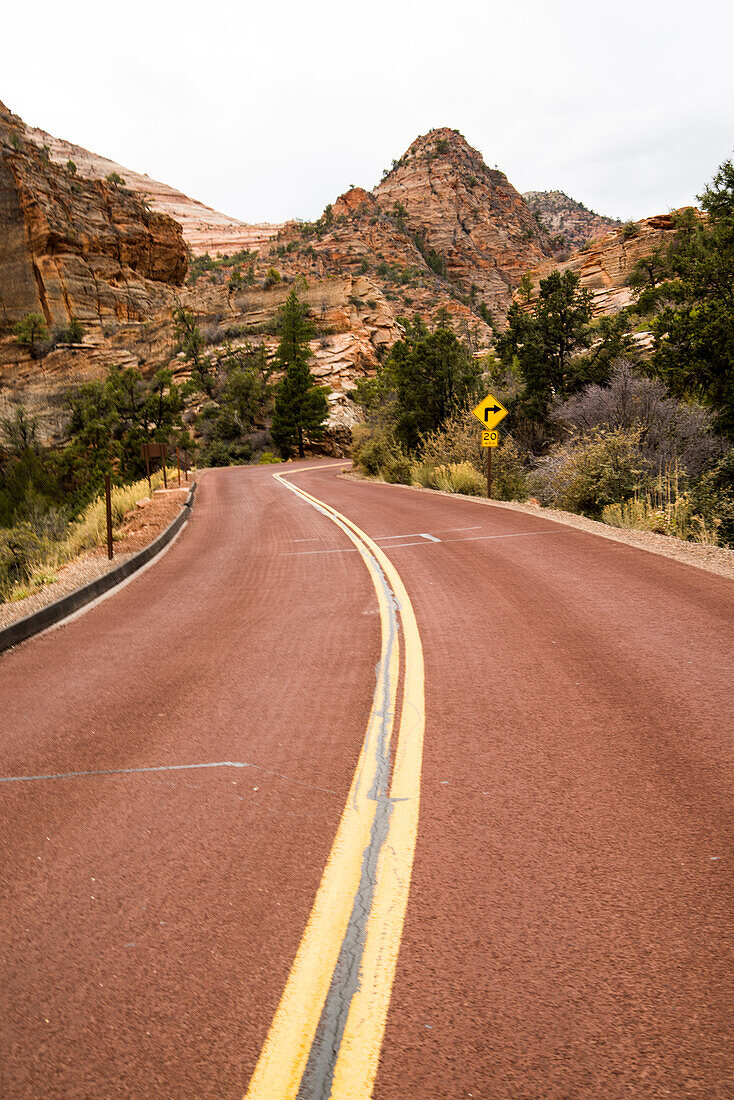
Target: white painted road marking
440, 542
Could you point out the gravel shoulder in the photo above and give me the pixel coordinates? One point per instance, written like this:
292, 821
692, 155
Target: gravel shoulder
714, 559
141, 527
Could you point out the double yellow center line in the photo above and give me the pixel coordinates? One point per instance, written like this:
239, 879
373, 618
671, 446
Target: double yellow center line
327, 1032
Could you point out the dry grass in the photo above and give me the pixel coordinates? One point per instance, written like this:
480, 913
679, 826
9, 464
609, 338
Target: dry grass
453, 477
664, 510
88, 532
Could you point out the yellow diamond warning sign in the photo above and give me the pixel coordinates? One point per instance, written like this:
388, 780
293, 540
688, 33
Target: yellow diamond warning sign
490, 412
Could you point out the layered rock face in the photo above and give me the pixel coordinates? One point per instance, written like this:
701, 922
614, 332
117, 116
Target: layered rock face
354, 323
80, 248
441, 232
606, 265
470, 214
569, 223
204, 229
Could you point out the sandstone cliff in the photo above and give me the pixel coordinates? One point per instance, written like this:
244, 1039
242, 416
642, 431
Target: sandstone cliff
204, 229
441, 231
73, 247
570, 224
606, 265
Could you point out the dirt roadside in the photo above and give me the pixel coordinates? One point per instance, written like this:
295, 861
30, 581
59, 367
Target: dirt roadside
142, 526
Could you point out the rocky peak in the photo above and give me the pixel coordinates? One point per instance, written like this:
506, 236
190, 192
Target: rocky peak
465, 213
355, 200
570, 224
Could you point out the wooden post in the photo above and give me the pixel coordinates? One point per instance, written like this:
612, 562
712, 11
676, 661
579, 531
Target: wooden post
163, 460
489, 473
147, 467
178, 467
108, 503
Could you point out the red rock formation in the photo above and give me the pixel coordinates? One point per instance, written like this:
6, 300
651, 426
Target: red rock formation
469, 214
569, 223
78, 247
606, 265
204, 229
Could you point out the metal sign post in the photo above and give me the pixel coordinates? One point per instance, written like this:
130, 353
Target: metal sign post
144, 450
490, 440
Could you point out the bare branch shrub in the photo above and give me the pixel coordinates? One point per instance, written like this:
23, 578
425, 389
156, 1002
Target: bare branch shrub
669, 430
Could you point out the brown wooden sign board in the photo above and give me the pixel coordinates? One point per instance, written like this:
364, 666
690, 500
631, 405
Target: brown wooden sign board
153, 450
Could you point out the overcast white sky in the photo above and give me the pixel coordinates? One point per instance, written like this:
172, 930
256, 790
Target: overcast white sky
270, 110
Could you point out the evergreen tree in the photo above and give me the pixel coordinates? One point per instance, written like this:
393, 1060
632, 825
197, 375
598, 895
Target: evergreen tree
546, 344
694, 352
301, 407
434, 375
546, 340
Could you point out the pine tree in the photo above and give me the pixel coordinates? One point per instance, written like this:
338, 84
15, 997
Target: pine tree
694, 345
301, 407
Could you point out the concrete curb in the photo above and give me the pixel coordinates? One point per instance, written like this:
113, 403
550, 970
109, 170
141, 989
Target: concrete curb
55, 612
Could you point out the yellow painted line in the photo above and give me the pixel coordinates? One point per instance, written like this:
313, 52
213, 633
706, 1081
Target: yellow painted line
286, 1051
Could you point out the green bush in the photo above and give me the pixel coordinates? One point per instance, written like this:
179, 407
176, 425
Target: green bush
712, 497
31, 332
378, 454
73, 333
22, 552
586, 474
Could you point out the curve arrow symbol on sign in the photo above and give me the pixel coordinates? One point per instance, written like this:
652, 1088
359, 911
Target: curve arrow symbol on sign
489, 412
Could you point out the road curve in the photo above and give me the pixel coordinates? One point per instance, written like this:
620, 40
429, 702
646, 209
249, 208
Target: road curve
569, 925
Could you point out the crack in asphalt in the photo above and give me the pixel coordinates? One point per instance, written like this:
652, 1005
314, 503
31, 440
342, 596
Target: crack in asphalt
163, 768
318, 1075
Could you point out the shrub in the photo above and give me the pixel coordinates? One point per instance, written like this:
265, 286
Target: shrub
459, 441
73, 333
31, 550
586, 474
456, 477
665, 510
677, 519
712, 496
31, 332
378, 454
115, 179
267, 458
670, 430
272, 278
22, 551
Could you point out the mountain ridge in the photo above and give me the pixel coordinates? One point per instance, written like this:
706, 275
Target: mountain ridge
441, 234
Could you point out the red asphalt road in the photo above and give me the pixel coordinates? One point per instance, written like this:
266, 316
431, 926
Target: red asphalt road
569, 929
